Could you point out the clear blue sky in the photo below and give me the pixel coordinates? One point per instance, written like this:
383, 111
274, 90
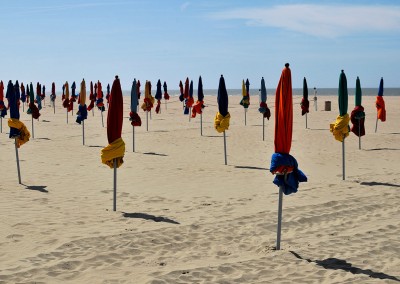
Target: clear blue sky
59, 40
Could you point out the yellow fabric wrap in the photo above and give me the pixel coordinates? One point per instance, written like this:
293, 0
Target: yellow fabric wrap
221, 123
115, 150
340, 128
24, 132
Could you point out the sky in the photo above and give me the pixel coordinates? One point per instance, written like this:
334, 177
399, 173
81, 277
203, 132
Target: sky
58, 40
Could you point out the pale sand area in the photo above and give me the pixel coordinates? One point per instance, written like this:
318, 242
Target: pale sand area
190, 218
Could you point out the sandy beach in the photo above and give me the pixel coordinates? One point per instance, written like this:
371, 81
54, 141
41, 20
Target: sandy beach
184, 217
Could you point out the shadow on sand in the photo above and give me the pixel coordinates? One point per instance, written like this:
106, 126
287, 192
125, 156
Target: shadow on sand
374, 183
148, 217
41, 188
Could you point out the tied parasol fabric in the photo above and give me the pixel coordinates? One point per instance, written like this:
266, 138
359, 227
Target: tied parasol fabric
166, 95
380, 103
66, 96
33, 110
245, 102
148, 98
305, 104
63, 93
186, 96
116, 147
39, 96
340, 129
17, 129
138, 90
222, 118
82, 109
108, 93
263, 98
17, 94
92, 97
198, 107
158, 96
53, 92
181, 96
283, 165
23, 94
43, 96
72, 98
99, 101
3, 108
357, 116
133, 116
189, 100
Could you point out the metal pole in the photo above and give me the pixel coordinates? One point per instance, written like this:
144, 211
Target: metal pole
165, 104
67, 116
263, 119
93, 111
17, 158
83, 132
226, 161
54, 106
278, 231
1, 124
376, 125
245, 117
147, 121
306, 120
133, 138
201, 124
115, 186
102, 121
150, 113
359, 135
190, 113
343, 162
23, 107
33, 130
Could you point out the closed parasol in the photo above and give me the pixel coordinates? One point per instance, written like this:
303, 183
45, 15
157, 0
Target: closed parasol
158, 96
221, 120
357, 116
380, 105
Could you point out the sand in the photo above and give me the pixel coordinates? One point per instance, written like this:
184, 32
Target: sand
184, 217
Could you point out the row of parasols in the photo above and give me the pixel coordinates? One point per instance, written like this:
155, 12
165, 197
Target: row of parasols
283, 165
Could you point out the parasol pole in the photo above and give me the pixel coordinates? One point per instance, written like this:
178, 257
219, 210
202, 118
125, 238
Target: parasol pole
278, 231
201, 124
226, 161
147, 120
67, 115
23, 107
102, 121
359, 135
83, 132
343, 162
33, 131
245, 117
306, 120
190, 113
376, 125
165, 104
1, 124
263, 119
93, 111
115, 186
133, 138
150, 113
54, 106
17, 158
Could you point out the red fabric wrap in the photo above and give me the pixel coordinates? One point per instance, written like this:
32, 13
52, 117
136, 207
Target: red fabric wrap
267, 112
149, 105
380, 107
166, 96
66, 103
197, 108
358, 131
305, 104
34, 110
158, 106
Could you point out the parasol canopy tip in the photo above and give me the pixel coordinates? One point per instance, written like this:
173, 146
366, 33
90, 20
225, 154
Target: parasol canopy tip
116, 77
287, 65
342, 70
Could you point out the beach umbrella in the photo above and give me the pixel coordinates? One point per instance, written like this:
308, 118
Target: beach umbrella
186, 96
133, 115
181, 96
263, 105
108, 94
39, 95
113, 154
315, 99
3, 108
245, 101
380, 105
92, 99
138, 90
72, 98
158, 96
283, 165
148, 102
357, 116
23, 96
221, 120
340, 128
166, 95
66, 98
99, 101
17, 94
305, 104
198, 107
33, 109
190, 100
18, 130
43, 95
82, 109
63, 93
53, 96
